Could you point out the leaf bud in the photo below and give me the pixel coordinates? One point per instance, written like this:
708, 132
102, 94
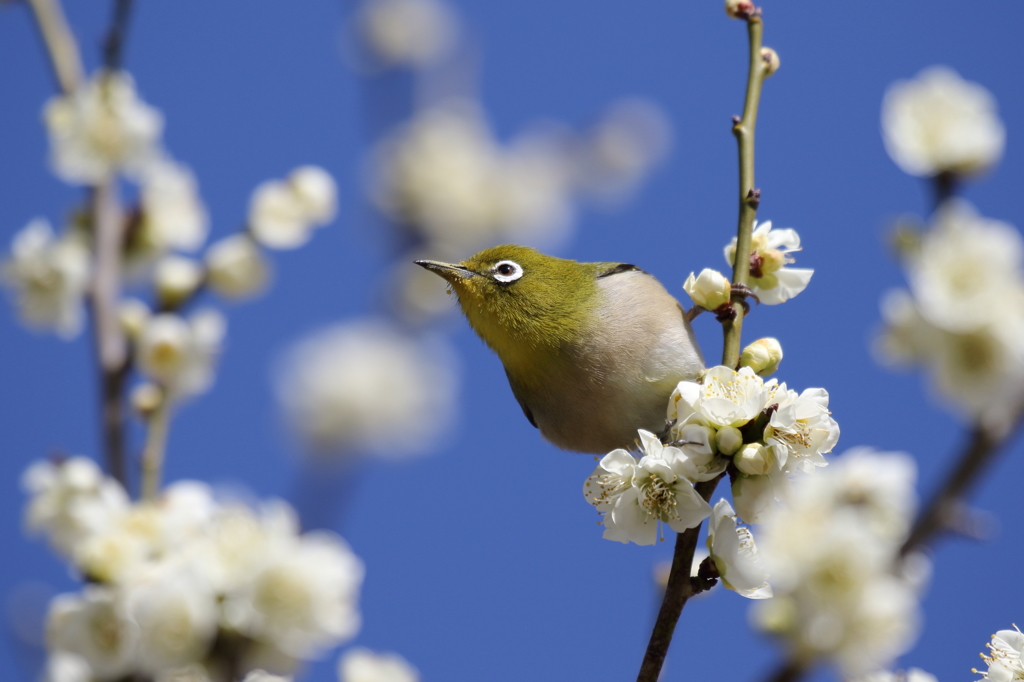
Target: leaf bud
763, 356
709, 290
730, 440
739, 9
771, 60
753, 459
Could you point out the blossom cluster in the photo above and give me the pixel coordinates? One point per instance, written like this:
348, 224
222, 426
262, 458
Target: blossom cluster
963, 315
1005, 657
187, 586
841, 592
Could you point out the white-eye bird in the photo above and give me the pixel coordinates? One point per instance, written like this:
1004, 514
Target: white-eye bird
592, 350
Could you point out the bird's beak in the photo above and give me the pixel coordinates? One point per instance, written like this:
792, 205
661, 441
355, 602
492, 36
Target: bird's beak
449, 271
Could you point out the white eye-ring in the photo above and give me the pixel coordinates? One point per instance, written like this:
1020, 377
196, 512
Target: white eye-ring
507, 271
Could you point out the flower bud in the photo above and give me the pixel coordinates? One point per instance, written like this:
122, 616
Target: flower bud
176, 278
315, 189
763, 356
146, 399
771, 60
163, 347
709, 290
697, 441
739, 9
729, 440
133, 315
753, 460
236, 267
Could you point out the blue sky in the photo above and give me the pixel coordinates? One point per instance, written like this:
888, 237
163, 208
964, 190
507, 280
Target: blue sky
483, 560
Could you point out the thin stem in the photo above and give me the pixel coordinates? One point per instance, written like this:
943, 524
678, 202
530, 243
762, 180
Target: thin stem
788, 671
749, 196
678, 591
153, 452
113, 44
60, 43
680, 588
942, 510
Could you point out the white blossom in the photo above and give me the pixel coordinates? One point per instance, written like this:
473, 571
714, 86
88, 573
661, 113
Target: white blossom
710, 290
95, 625
1005, 657
831, 551
366, 385
939, 122
71, 500
62, 666
173, 214
283, 213
48, 277
724, 397
735, 555
175, 278
363, 665
911, 675
636, 497
236, 267
770, 279
100, 129
763, 356
181, 354
801, 429
260, 675
302, 594
408, 32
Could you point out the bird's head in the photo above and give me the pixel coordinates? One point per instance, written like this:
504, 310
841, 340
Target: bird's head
516, 297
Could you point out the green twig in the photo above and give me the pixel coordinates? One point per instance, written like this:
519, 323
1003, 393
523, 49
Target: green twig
680, 588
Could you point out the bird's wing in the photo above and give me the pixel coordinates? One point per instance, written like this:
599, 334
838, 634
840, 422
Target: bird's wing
607, 269
522, 403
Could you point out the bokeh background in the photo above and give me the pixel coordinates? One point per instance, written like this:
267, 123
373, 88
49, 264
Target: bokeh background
483, 560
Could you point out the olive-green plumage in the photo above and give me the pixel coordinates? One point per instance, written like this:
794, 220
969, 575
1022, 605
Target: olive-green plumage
592, 350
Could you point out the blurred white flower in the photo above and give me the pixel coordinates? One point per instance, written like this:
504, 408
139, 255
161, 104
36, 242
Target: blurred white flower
71, 500
366, 385
770, 279
176, 615
62, 666
635, 498
263, 676
100, 129
1004, 659
95, 625
133, 314
446, 175
911, 675
175, 278
709, 290
48, 277
617, 155
755, 495
724, 397
181, 354
408, 32
173, 214
735, 555
363, 665
832, 553
236, 267
283, 213
964, 321
302, 594
939, 122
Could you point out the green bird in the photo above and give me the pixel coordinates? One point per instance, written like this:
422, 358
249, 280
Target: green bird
592, 350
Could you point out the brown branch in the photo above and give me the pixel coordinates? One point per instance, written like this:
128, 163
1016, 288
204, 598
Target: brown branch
113, 44
788, 671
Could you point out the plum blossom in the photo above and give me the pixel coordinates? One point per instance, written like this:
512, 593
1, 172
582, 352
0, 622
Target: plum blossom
763, 356
832, 554
939, 123
800, 429
408, 32
735, 555
283, 213
95, 625
180, 354
635, 497
367, 385
100, 129
724, 397
236, 267
770, 279
1005, 657
48, 277
173, 215
363, 665
709, 290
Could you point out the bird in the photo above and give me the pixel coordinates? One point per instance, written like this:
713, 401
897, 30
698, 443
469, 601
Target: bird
592, 351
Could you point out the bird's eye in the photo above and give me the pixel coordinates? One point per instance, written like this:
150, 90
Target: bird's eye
507, 271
